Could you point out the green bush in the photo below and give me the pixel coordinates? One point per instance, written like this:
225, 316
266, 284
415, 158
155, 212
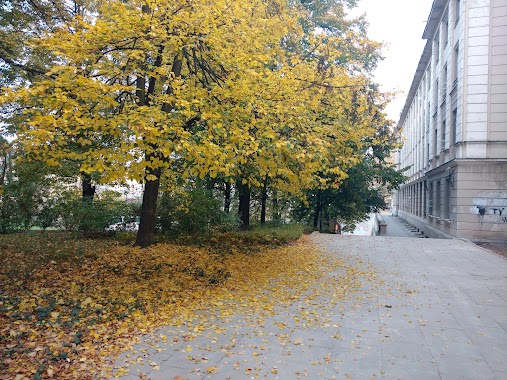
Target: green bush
47, 214
195, 211
19, 198
12, 216
90, 217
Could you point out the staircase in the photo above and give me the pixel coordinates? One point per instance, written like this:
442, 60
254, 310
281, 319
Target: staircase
414, 230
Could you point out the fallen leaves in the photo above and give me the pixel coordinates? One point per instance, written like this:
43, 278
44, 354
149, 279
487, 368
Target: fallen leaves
65, 319
69, 320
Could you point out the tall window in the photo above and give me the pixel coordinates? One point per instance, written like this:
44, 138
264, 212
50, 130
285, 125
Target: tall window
438, 199
457, 11
420, 205
423, 130
444, 83
435, 93
435, 134
442, 133
437, 46
428, 117
435, 130
453, 131
445, 29
447, 200
425, 203
455, 62
430, 199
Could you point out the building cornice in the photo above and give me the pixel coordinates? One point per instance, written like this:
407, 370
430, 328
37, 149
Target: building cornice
424, 61
437, 9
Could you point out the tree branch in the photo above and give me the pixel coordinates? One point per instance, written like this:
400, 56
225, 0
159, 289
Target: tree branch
31, 70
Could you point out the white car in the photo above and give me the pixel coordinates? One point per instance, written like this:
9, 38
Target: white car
124, 224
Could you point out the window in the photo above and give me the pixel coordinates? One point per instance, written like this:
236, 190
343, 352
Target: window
438, 199
447, 199
457, 11
445, 29
430, 199
444, 84
442, 134
425, 202
455, 62
437, 46
435, 134
420, 205
453, 131
435, 93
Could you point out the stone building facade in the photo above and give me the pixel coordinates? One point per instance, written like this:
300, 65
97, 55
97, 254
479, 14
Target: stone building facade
454, 125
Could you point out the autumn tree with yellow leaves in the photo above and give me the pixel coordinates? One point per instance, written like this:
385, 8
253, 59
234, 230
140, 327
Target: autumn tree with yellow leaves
254, 92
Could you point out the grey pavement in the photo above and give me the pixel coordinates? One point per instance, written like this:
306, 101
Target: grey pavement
416, 309
397, 227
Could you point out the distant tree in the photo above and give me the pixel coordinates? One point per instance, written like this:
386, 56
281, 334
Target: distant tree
362, 192
23, 62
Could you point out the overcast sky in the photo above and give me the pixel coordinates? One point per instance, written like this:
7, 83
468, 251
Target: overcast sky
399, 24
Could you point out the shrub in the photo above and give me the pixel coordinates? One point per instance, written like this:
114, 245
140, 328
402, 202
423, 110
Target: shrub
195, 211
89, 217
18, 202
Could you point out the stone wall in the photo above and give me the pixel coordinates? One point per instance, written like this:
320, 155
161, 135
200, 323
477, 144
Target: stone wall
481, 203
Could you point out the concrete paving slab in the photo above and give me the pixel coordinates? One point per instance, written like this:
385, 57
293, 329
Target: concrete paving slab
435, 309
355, 364
492, 344
406, 349
473, 316
453, 367
406, 369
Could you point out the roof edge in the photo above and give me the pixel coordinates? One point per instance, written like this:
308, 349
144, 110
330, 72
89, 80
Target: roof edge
419, 73
437, 9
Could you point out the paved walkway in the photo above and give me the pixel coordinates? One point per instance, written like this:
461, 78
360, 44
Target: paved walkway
396, 228
435, 309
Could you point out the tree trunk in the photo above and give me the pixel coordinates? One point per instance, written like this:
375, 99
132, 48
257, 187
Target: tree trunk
276, 211
88, 190
3, 173
227, 198
321, 217
146, 234
318, 209
210, 183
264, 198
244, 205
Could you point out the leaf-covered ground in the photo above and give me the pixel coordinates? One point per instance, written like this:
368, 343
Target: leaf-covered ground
68, 306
